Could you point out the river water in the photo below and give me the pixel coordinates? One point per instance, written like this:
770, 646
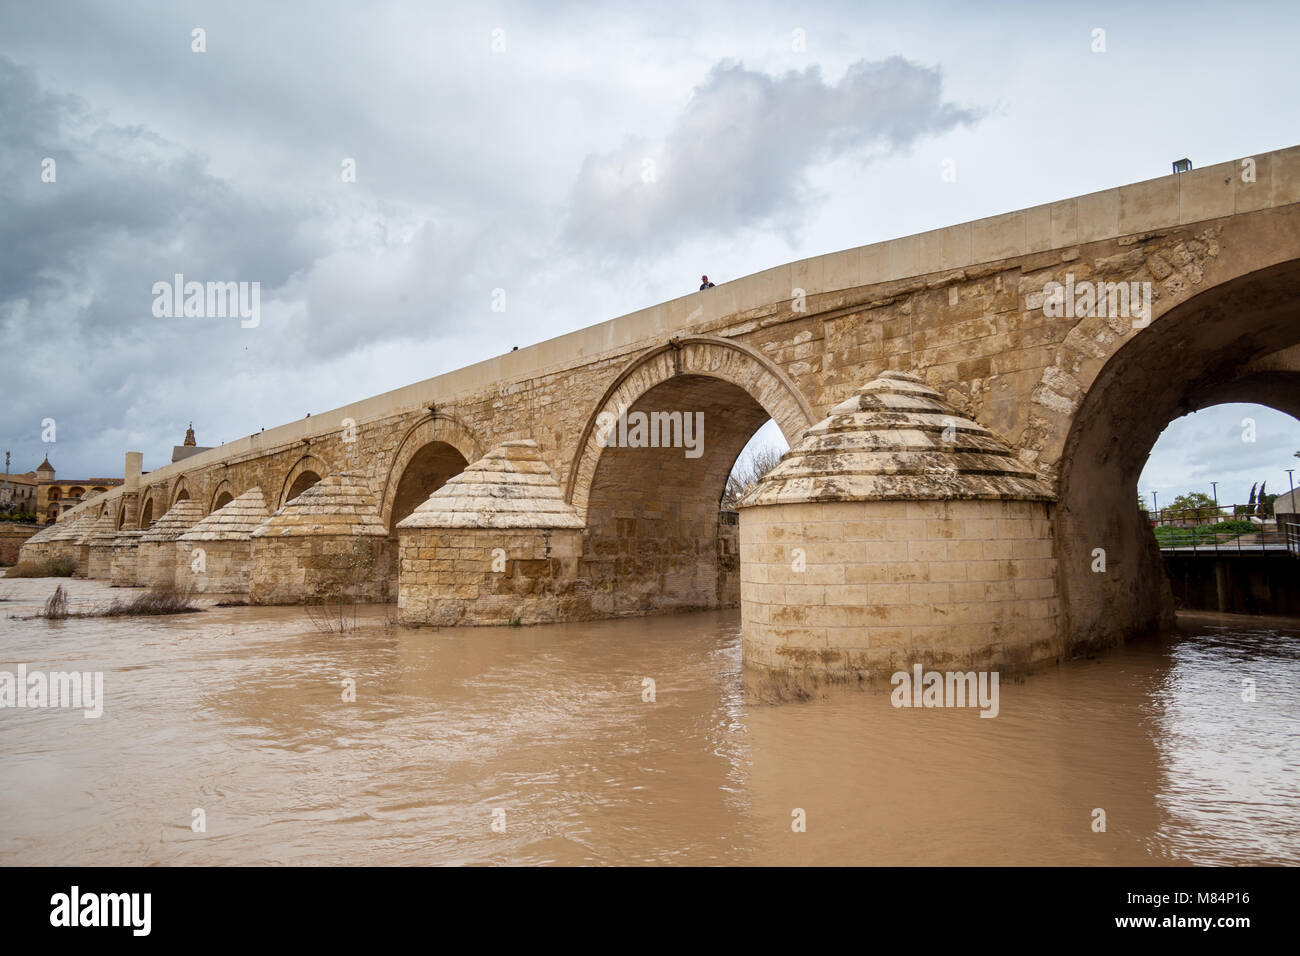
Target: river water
535, 746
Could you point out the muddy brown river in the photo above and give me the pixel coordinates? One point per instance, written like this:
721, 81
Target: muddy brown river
536, 746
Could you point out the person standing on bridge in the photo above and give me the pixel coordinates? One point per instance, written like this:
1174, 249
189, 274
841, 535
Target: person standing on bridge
705, 283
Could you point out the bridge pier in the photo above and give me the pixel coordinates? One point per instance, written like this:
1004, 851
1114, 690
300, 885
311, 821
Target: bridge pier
126, 551
897, 531
215, 556
496, 544
156, 555
99, 550
328, 542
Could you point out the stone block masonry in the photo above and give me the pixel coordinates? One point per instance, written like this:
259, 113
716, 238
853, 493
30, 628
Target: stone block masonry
1078, 394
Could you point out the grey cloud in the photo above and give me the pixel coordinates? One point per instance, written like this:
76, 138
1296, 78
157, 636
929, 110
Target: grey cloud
738, 155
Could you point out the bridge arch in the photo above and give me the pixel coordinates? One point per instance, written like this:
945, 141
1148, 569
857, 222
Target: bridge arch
655, 540
305, 472
764, 383
1235, 340
181, 492
433, 449
149, 509
224, 494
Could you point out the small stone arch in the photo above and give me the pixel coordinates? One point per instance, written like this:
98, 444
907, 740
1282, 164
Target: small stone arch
706, 356
181, 491
304, 468
147, 509
224, 494
438, 427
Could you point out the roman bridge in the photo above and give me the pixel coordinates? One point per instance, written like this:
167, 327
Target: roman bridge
951, 513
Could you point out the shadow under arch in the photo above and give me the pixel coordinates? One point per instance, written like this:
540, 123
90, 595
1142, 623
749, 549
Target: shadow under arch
752, 373
1236, 341
148, 509
224, 494
655, 540
181, 492
459, 447
306, 471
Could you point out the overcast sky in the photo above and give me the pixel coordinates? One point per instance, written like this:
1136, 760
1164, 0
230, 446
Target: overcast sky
520, 168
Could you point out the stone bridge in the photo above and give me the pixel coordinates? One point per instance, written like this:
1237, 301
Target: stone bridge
953, 513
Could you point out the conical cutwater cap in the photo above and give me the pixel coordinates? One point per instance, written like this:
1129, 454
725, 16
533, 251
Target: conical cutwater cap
509, 487
897, 439
178, 519
236, 520
338, 504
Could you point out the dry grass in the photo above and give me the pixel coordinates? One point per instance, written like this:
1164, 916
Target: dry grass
150, 602
147, 603
56, 608
49, 568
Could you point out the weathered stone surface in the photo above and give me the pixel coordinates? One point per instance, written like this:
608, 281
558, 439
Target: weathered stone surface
340, 504
65, 541
36, 548
490, 576
99, 547
496, 544
897, 439
867, 588
156, 552
326, 543
126, 548
897, 532
234, 521
509, 487
215, 555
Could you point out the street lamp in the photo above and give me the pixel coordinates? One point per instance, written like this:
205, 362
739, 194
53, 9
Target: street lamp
1154, 506
1214, 487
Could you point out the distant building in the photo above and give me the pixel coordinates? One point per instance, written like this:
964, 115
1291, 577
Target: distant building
1286, 504
55, 497
20, 493
181, 452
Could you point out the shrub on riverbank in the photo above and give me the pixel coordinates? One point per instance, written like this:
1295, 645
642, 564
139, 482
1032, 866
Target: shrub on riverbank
151, 602
47, 568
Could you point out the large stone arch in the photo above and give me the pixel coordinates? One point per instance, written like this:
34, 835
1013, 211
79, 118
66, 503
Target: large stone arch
304, 468
654, 538
704, 356
430, 429
1235, 338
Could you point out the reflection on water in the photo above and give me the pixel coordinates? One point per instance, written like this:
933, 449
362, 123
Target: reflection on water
240, 711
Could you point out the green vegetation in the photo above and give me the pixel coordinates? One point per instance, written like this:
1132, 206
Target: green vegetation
49, 568
1208, 534
22, 517
1192, 506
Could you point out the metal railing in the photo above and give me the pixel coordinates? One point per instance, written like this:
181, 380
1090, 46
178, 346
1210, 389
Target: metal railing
1290, 527
1228, 529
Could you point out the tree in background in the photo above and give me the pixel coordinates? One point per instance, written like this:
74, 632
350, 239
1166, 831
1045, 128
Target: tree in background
746, 474
1194, 506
